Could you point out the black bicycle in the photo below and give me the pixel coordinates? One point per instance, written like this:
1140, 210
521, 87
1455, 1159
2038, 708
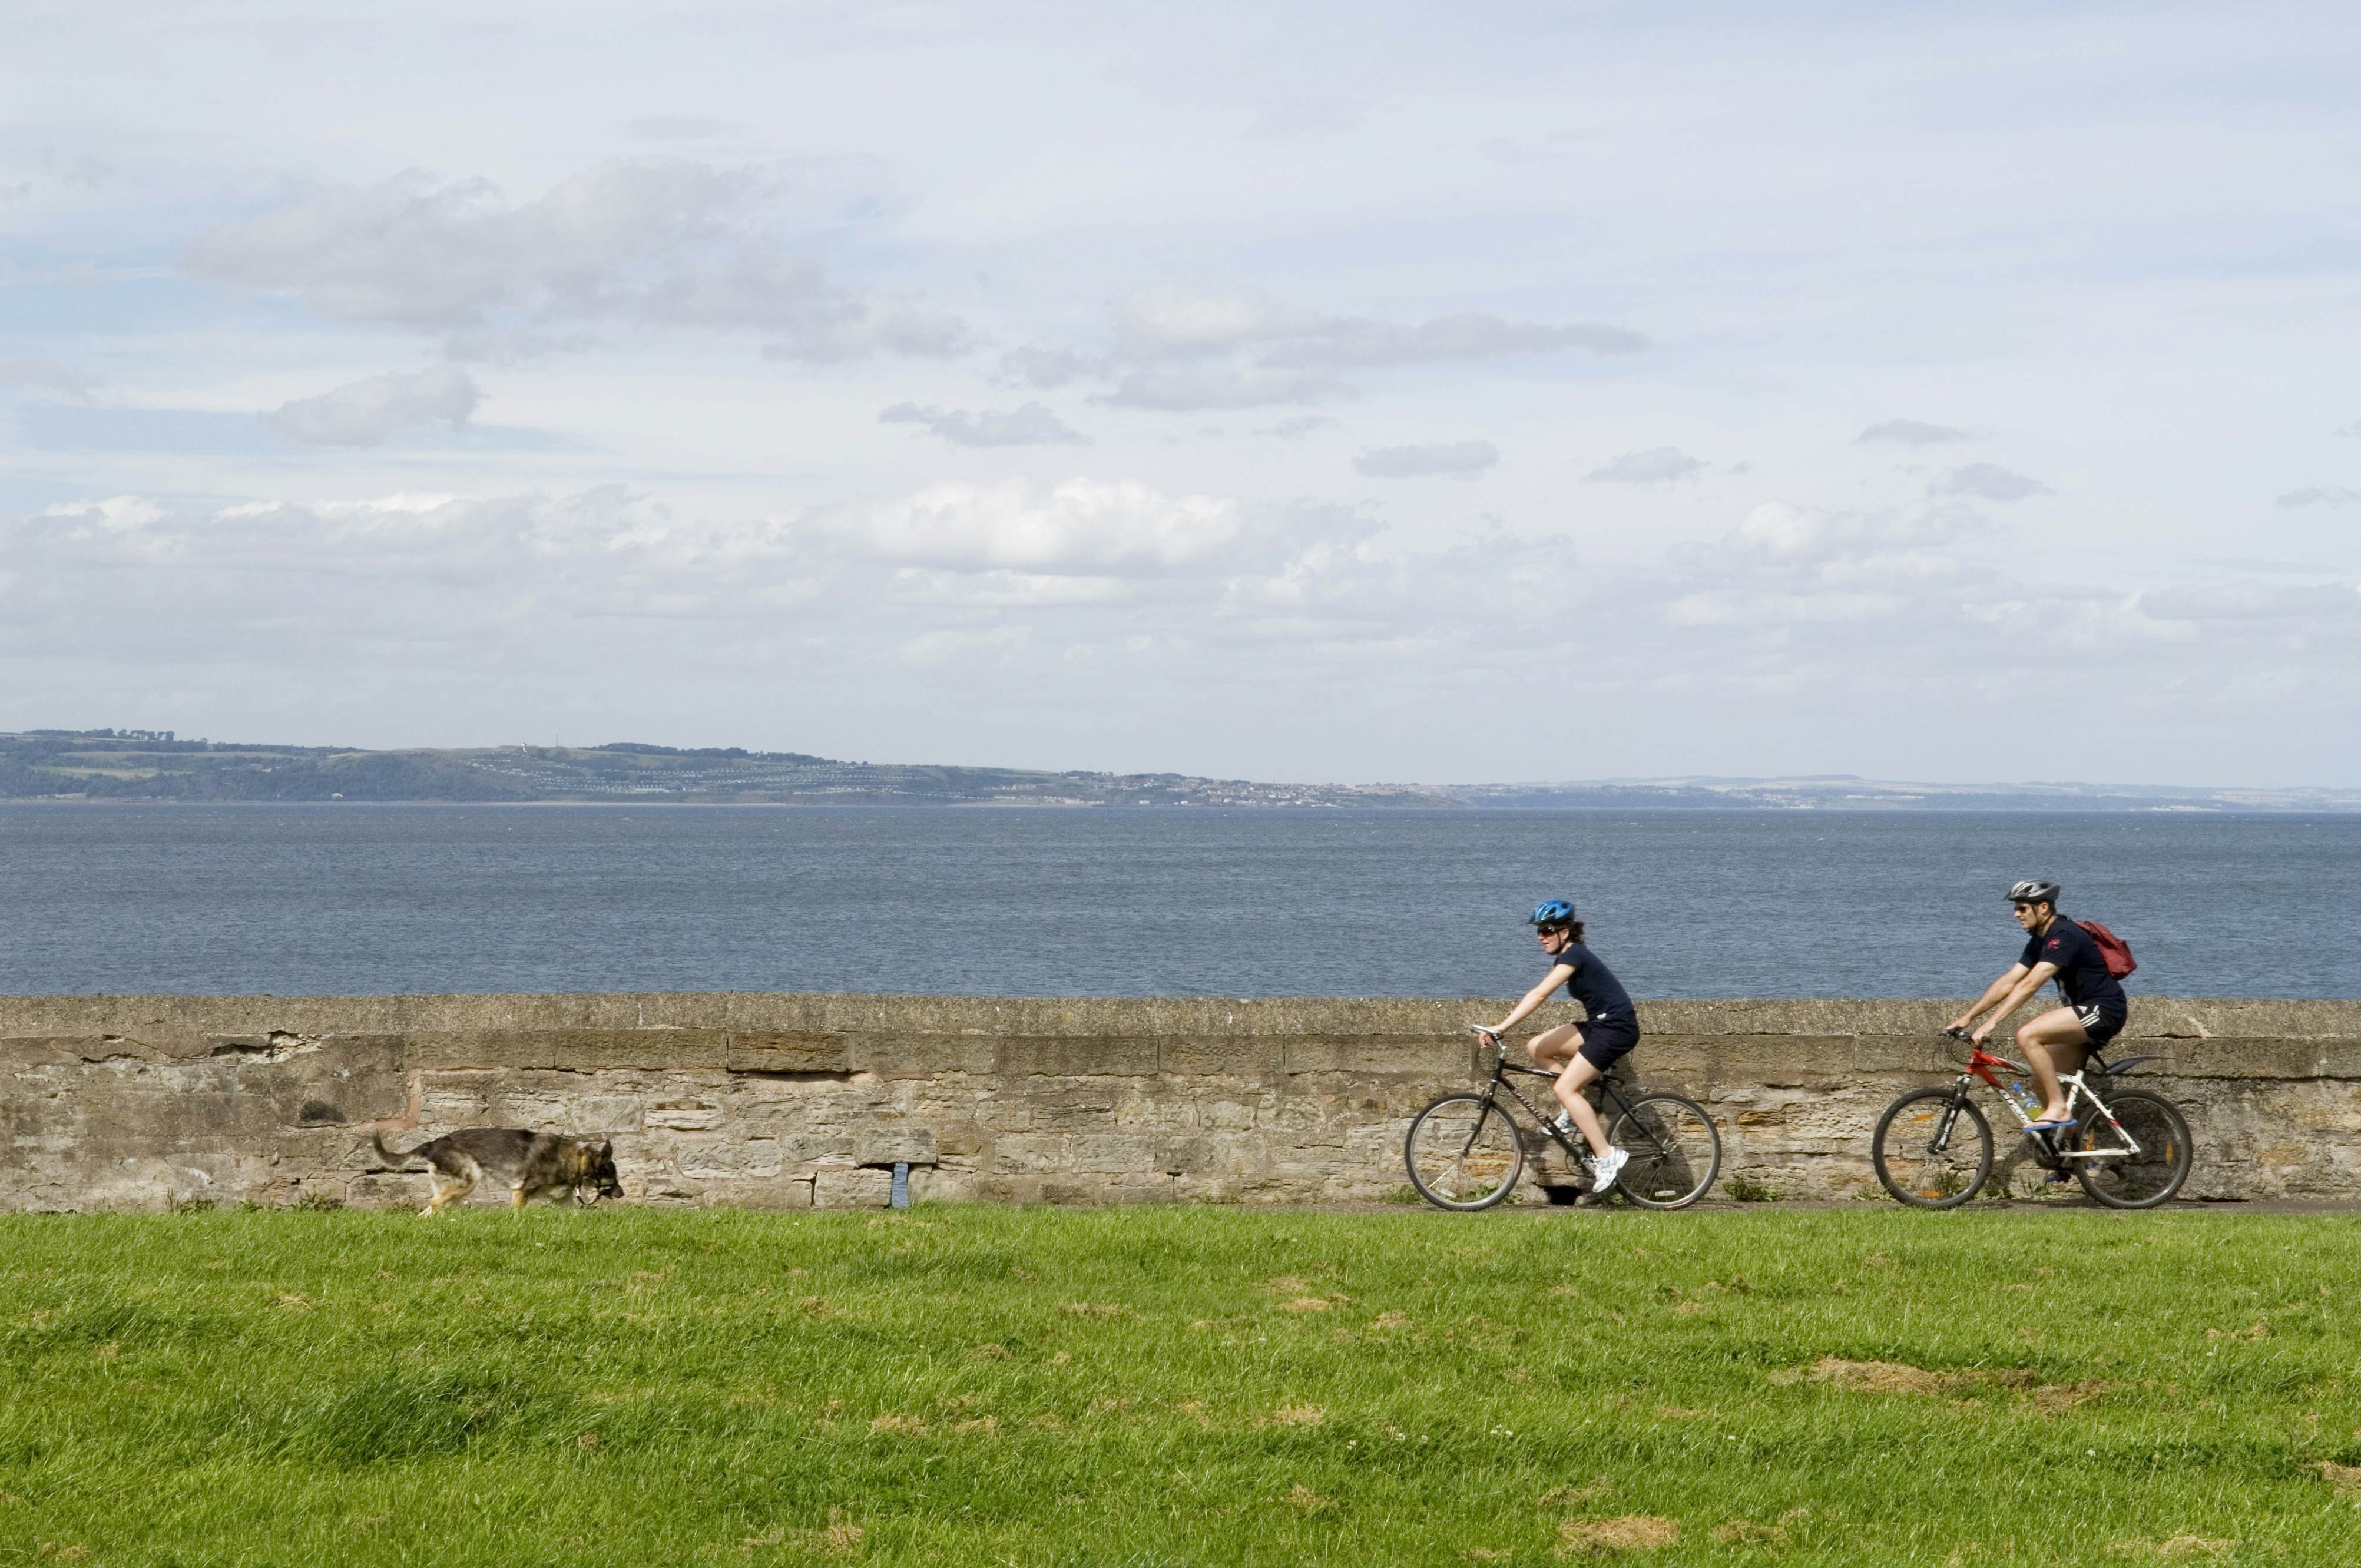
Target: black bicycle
1467, 1150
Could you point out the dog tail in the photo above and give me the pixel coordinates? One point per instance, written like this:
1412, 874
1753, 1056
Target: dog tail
391, 1156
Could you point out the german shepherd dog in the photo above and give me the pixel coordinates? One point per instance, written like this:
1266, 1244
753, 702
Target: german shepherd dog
530, 1163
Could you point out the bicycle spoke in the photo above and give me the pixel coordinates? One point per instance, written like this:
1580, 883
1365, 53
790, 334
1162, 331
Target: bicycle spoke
1464, 1153
1931, 1149
1674, 1151
2139, 1154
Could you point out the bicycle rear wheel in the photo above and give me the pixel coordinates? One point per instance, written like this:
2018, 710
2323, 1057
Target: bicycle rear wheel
2129, 1180
1932, 1148
1464, 1153
1674, 1151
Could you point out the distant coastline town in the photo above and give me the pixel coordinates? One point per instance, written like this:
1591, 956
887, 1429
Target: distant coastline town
158, 765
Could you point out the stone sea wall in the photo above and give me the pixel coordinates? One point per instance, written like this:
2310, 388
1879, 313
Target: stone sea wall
795, 1100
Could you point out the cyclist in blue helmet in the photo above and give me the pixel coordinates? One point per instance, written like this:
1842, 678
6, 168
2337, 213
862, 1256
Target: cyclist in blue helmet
1581, 1053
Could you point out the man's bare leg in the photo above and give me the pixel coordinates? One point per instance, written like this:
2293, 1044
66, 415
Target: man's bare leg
2056, 1033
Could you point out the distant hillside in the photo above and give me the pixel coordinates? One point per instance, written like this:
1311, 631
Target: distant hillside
145, 765
1843, 792
107, 764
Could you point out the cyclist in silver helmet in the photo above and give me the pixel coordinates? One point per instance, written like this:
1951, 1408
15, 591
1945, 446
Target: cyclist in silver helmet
1579, 1053
2095, 1011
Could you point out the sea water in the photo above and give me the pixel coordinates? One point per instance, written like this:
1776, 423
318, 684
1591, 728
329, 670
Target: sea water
348, 898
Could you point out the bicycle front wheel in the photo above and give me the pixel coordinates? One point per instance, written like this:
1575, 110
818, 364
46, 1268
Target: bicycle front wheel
1464, 1153
1932, 1148
1674, 1151
2123, 1179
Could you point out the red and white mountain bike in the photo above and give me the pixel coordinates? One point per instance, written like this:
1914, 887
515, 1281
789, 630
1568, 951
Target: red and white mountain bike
1933, 1149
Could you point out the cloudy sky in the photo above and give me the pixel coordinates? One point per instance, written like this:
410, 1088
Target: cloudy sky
1361, 392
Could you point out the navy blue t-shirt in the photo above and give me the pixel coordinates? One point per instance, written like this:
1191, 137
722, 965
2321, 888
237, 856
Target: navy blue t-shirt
1595, 985
2082, 977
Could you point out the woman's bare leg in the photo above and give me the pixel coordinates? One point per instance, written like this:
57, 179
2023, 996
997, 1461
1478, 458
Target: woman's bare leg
1553, 1049
1559, 1050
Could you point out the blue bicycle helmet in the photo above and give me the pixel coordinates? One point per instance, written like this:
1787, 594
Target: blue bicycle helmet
1551, 912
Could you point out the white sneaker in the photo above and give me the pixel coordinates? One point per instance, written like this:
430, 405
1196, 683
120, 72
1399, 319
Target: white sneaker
1563, 1123
1606, 1168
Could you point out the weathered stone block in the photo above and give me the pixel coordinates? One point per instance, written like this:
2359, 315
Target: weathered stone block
1030, 1154
889, 1143
578, 1050
1086, 1105
1908, 1054
963, 1140
71, 1051
925, 1056
2245, 1058
787, 1050
1190, 1155
1237, 1055
1785, 1060
1129, 1058
1101, 1153
780, 1192
691, 1115
704, 1156
1364, 1056
851, 1188
368, 1191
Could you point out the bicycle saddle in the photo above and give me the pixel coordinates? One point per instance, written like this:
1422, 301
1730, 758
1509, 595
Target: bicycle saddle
2111, 1069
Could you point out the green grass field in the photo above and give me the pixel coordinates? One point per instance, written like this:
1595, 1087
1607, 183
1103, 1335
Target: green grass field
1178, 1386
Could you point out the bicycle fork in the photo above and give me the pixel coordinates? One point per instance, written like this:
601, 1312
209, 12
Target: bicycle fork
1950, 1117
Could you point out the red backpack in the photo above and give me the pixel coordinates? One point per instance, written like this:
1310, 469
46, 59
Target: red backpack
2112, 948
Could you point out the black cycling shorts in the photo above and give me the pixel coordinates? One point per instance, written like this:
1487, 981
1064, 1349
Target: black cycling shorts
1606, 1041
2101, 1021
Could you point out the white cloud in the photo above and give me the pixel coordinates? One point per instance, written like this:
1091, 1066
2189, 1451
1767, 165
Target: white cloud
363, 413
648, 243
1183, 389
1518, 151
1003, 590
1179, 323
683, 127
1658, 465
1159, 323
1988, 481
1048, 368
2269, 604
46, 375
1188, 349
1349, 343
1800, 566
1455, 459
1030, 424
1909, 432
2353, 429
1003, 643
1080, 527
2322, 495
1296, 426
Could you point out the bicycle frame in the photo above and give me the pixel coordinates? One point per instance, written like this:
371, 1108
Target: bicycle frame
1502, 1067
1981, 1063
